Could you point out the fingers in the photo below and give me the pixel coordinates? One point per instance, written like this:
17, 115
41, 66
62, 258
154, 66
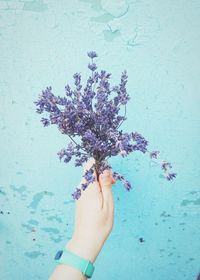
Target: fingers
106, 180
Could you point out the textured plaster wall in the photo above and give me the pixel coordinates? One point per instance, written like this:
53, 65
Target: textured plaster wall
44, 43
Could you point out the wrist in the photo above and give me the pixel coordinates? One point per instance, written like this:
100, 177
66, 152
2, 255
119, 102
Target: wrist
85, 248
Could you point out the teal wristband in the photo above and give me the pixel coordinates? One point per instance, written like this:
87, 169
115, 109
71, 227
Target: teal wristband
69, 258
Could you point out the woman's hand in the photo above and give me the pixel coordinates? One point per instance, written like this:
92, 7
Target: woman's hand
93, 223
94, 216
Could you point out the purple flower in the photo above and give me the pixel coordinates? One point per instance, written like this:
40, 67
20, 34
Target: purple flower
165, 165
69, 152
117, 176
77, 81
127, 185
61, 153
89, 175
91, 116
92, 54
92, 66
170, 176
45, 121
141, 142
120, 177
68, 90
81, 160
154, 154
76, 194
84, 186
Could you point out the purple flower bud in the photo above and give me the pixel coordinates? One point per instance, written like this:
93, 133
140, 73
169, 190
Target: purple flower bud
77, 194
118, 176
67, 158
165, 165
170, 176
61, 154
68, 90
45, 121
141, 142
92, 54
92, 66
77, 81
154, 154
84, 186
89, 175
127, 185
81, 160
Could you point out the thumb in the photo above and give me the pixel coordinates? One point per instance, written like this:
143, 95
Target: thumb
106, 180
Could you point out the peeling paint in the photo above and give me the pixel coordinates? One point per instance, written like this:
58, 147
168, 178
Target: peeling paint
35, 6
187, 202
109, 36
95, 4
38, 197
20, 190
33, 222
34, 254
115, 8
55, 218
50, 230
105, 18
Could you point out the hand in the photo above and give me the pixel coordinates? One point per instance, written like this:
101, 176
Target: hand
94, 216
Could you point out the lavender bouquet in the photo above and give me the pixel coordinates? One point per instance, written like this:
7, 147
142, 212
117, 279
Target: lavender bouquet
91, 117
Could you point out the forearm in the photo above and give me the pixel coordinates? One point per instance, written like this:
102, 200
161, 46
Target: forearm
85, 249
65, 272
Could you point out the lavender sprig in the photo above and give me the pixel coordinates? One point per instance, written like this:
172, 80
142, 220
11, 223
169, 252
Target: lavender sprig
91, 117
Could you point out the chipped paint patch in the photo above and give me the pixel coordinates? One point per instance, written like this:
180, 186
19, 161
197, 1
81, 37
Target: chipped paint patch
105, 18
115, 8
34, 254
33, 222
55, 218
50, 230
2, 192
187, 202
18, 189
35, 6
38, 197
95, 4
110, 35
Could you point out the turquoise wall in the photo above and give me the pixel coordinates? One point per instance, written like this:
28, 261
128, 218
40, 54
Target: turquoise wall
44, 43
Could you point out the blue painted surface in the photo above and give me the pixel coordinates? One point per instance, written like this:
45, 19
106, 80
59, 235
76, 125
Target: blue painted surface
156, 231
